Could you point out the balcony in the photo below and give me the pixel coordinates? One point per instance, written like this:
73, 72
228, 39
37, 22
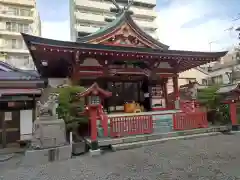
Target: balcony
5, 32
17, 51
30, 3
143, 13
87, 29
153, 2
147, 25
88, 17
105, 7
9, 49
5, 15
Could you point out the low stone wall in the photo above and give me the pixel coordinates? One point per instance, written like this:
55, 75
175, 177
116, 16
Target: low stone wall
43, 156
156, 136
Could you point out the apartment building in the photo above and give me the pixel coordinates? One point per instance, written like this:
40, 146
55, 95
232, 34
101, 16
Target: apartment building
88, 16
17, 16
222, 72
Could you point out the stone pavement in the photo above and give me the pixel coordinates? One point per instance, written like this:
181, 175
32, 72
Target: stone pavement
214, 157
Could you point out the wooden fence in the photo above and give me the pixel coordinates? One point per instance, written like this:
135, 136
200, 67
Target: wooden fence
130, 125
190, 120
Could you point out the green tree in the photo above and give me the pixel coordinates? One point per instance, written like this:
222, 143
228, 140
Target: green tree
209, 98
70, 108
217, 111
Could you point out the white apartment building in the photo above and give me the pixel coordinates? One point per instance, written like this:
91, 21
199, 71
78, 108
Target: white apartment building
17, 16
220, 71
87, 16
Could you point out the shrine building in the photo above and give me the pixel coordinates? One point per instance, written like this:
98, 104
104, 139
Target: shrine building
122, 59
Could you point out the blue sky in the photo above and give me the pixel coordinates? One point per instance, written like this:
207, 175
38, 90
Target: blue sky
183, 24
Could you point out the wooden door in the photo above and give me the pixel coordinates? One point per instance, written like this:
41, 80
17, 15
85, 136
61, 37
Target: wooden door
10, 127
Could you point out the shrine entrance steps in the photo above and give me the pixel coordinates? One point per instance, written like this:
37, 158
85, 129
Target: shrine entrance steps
131, 142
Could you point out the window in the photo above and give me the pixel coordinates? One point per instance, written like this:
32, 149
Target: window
26, 60
217, 79
17, 27
11, 26
189, 81
20, 61
13, 11
25, 12
18, 11
14, 43
23, 28
8, 26
204, 82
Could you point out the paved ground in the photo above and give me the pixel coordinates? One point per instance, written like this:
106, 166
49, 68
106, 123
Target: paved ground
216, 157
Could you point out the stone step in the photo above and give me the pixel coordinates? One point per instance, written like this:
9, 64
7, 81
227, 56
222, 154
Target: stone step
139, 144
162, 123
156, 136
163, 129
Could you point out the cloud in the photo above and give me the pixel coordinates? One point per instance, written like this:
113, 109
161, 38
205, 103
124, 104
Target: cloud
191, 26
59, 30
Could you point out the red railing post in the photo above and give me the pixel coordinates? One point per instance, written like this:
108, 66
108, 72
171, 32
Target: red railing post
233, 113
175, 121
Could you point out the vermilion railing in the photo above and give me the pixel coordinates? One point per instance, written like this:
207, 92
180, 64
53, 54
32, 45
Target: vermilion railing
189, 106
130, 125
190, 120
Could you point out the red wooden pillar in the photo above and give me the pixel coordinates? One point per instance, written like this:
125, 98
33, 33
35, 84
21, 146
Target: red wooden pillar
74, 76
233, 113
176, 91
93, 119
165, 93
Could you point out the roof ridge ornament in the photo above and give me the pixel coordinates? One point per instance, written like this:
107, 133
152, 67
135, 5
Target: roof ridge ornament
125, 7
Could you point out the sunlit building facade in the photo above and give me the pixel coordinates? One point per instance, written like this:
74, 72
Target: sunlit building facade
17, 16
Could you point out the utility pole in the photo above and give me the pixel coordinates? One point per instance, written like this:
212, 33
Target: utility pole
210, 45
238, 30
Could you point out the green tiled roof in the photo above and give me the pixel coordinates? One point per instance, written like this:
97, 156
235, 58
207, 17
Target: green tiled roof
125, 17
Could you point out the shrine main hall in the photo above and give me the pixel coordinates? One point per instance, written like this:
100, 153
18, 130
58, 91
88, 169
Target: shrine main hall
122, 59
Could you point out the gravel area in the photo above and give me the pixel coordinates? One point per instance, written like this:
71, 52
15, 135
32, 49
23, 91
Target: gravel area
214, 157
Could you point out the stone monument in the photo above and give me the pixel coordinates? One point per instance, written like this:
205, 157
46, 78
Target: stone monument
49, 135
48, 130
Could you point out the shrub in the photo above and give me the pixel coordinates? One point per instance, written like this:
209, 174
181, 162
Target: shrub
70, 108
